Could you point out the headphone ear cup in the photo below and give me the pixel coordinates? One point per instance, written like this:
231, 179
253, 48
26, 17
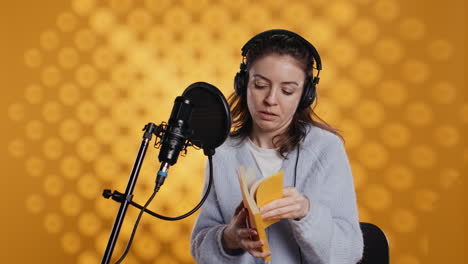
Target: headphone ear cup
308, 96
240, 82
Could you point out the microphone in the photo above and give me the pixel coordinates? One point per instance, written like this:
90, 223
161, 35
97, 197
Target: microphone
201, 118
175, 137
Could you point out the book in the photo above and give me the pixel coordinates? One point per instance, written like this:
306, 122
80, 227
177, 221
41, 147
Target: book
257, 193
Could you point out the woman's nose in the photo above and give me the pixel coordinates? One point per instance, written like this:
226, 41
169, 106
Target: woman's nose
271, 97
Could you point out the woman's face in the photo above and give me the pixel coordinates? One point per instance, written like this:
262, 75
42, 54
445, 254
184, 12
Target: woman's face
273, 92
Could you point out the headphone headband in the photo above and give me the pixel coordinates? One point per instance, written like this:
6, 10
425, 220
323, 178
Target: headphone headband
272, 32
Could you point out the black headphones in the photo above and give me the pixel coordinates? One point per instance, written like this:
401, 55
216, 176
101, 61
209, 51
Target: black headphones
309, 94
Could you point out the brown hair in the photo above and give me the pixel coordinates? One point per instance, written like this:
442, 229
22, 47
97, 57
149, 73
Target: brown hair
296, 132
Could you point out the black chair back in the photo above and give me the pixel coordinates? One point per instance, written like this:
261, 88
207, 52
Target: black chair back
376, 249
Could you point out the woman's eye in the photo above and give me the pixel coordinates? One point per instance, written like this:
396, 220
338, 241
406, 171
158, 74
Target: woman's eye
259, 86
287, 92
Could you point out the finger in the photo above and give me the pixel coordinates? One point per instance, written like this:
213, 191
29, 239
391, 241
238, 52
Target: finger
248, 244
258, 253
239, 208
240, 218
283, 202
289, 191
278, 213
246, 233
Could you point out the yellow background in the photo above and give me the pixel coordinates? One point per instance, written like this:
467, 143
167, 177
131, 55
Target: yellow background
80, 78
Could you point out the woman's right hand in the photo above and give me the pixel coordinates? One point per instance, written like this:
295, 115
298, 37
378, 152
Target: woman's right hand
236, 235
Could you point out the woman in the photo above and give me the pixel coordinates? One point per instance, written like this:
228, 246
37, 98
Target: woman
274, 130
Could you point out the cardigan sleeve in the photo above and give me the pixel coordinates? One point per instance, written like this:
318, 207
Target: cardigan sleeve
330, 233
206, 238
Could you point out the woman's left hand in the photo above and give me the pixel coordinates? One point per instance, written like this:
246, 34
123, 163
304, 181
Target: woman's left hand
293, 205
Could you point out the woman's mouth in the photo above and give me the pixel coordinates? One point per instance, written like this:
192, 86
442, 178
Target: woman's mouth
267, 115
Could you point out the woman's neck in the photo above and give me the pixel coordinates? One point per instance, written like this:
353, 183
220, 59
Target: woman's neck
263, 140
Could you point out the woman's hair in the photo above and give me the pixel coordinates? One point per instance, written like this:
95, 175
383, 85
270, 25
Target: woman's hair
242, 121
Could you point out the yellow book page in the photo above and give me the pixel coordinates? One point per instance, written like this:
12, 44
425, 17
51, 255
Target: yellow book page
268, 190
262, 234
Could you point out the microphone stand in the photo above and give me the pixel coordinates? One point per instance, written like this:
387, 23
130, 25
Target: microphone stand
149, 129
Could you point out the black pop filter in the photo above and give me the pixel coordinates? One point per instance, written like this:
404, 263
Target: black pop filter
210, 122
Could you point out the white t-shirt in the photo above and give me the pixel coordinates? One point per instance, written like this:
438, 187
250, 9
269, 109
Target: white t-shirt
268, 160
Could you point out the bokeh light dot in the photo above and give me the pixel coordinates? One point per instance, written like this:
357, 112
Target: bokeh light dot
70, 166
412, 29
392, 92
53, 223
68, 57
447, 135
395, 134
35, 166
294, 11
70, 130
444, 93
388, 51
106, 167
89, 257
419, 113
71, 204
49, 40
53, 148
181, 249
87, 112
86, 75
426, 200
146, 247
373, 155
105, 130
369, 113
33, 94
386, 9
89, 224
166, 233
377, 197
364, 30
71, 242
408, 259
352, 132
366, 71
341, 12
415, 71
35, 203
33, 58
85, 39
83, 7
34, 129
106, 209
52, 112
403, 220
121, 6
102, 20
440, 50
359, 174
16, 111
53, 185
344, 52
104, 58
423, 156
448, 177
88, 148
88, 186
139, 19
51, 76
345, 92
66, 22
16, 148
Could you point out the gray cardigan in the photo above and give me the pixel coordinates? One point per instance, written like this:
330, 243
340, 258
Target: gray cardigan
330, 233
